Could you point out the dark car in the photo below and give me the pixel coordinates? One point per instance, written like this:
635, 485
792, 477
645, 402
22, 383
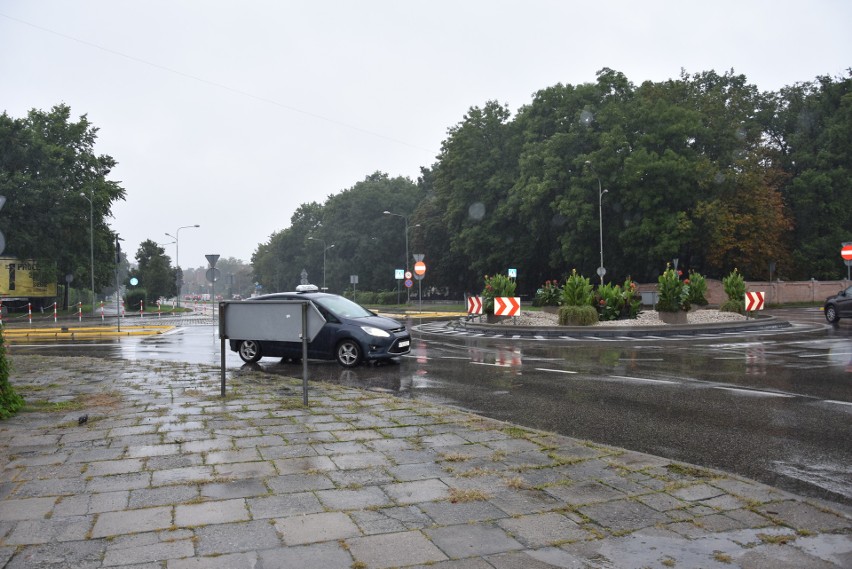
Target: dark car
352, 334
838, 306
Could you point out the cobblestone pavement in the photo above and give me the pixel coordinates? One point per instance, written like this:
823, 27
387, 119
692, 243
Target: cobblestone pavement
142, 465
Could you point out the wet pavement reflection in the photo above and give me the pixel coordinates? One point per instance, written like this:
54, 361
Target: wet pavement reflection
776, 407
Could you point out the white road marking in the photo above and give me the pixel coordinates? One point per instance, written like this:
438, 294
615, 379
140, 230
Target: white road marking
755, 392
642, 379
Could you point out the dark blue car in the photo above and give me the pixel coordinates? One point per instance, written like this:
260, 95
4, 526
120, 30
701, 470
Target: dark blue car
838, 306
351, 335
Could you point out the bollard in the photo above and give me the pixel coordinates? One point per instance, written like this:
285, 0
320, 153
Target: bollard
54, 313
141, 308
30, 313
102, 311
158, 309
79, 311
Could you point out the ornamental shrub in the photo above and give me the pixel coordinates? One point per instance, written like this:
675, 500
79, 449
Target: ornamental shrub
498, 285
609, 302
548, 295
697, 289
572, 315
632, 299
10, 401
132, 299
577, 291
672, 293
734, 286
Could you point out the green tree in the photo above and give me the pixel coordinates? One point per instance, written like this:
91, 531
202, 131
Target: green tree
154, 272
477, 167
46, 162
811, 132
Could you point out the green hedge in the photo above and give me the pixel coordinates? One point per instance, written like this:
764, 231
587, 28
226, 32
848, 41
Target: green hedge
10, 401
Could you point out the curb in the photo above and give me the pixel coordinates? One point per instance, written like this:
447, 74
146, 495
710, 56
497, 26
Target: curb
758, 324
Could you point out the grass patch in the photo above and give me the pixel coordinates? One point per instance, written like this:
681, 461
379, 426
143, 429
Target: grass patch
691, 471
516, 432
79, 402
516, 483
453, 457
475, 472
780, 539
460, 495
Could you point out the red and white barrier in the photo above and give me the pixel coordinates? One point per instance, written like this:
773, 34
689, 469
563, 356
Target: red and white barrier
507, 305
474, 305
30, 312
102, 311
79, 311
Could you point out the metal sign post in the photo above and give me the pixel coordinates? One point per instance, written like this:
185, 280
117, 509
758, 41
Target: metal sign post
212, 275
270, 320
846, 254
419, 273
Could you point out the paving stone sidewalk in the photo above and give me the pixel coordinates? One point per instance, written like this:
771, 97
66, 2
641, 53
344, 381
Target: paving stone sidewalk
166, 474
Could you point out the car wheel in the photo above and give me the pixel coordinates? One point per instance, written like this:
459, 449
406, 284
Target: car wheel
348, 353
831, 314
249, 351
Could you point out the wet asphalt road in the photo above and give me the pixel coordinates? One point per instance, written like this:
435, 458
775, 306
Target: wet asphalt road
773, 406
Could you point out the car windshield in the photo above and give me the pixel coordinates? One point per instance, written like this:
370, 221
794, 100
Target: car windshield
343, 307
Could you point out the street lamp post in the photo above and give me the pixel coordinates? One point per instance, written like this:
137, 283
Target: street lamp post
91, 244
405, 219
179, 277
601, 192
324, 249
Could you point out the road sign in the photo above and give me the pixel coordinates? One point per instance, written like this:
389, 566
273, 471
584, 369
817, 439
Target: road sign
420, 268
408, 275
474, 305
513, 273
408, 283
273, 320
212, 275
399, 274
212, 259
506, 305
846, 252
753, 301
601, 272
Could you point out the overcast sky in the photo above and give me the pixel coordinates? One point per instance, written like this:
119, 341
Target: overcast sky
231, 114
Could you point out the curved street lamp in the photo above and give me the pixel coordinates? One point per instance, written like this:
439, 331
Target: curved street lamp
179, 276
601, 192
324, 249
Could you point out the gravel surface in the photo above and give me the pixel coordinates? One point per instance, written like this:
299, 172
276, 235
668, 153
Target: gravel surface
646, 318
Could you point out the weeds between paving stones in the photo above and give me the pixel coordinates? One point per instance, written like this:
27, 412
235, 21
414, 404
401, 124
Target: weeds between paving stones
462, 495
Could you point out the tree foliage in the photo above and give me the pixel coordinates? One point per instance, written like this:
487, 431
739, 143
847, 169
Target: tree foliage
48, 173
357, 237
154, 272
704, 168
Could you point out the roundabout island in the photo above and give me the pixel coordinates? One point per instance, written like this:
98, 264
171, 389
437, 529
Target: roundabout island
542, 324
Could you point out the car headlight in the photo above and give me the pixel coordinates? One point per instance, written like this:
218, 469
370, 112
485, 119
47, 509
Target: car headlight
373, 331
